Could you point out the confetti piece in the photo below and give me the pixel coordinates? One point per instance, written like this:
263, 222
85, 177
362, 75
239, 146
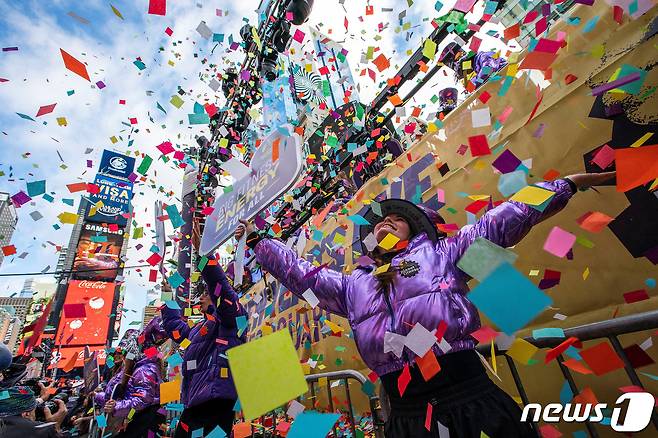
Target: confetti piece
479, 145
381, 62
157, 7
559, 242
74, 65
532, 195
521, 351
601, 358
116, 12
312, 425
482, 257
170, 391
636, 166
389, 241
260, 387
47, 109
509, 299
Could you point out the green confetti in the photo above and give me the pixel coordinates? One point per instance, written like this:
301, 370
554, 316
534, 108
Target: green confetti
144, 165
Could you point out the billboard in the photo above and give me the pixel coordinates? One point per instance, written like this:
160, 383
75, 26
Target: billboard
115, 196
98, 252
116, 165
85, 315
268, 179
60, 357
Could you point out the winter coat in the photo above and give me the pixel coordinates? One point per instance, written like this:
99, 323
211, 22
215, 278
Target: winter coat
142, 391
205, 357
437, 292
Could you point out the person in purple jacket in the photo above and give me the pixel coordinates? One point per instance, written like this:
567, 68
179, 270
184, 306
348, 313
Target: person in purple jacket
208, 391
423, 285
136, 386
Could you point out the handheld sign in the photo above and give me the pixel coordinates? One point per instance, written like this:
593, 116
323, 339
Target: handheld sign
274, 169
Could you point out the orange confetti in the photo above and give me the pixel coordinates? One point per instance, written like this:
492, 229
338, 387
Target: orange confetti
74, 65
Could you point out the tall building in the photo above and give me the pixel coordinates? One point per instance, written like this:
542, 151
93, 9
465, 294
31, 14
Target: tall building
37, 289
150, 312
8, 220
10, 327
21, 305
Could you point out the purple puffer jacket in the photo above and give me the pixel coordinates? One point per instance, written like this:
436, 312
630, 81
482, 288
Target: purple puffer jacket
486, 65
209, 341
437, 293
143, 388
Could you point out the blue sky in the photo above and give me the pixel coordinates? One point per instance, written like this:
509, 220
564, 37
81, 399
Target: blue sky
108, 46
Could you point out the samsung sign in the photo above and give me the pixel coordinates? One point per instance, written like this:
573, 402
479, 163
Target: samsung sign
115, 196
116, 165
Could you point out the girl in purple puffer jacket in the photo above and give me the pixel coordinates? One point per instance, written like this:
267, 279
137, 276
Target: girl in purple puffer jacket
422, 285
208, 391
136, 387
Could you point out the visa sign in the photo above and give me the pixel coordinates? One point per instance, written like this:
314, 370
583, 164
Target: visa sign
115, 196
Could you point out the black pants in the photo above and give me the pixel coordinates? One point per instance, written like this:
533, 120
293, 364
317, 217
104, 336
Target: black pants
142, 422
464, 401
207, 415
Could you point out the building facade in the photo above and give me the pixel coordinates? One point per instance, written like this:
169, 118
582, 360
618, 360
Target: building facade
150, 312
8, 220
11, 327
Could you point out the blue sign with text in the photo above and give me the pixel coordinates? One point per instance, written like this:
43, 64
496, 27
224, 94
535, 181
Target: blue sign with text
115, 196
116, 165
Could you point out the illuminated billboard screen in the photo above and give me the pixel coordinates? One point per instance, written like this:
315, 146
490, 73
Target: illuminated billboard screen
86, 313
114, 195
61, 357
98, 253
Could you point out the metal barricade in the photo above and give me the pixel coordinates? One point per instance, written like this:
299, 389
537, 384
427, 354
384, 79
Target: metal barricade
609, 329
344, 376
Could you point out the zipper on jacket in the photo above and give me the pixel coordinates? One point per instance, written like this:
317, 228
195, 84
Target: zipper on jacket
390, 308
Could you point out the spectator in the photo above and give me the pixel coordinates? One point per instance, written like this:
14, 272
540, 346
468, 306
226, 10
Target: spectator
18, 416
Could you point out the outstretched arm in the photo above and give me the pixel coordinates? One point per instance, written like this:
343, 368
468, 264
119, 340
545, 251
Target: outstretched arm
511, 221
298, 275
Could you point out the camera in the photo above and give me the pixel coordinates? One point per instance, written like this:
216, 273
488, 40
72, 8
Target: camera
54, 407
268, 65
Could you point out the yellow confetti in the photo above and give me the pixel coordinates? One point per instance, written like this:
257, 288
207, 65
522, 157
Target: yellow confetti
382, 268
389, 241
68, 218
335, 328
532, 195
640, 141
223, 373
586, 273
116, 12
183, 345
521, 351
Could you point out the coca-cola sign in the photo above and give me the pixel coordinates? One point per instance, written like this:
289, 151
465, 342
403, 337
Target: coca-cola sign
85, 284
93, 327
